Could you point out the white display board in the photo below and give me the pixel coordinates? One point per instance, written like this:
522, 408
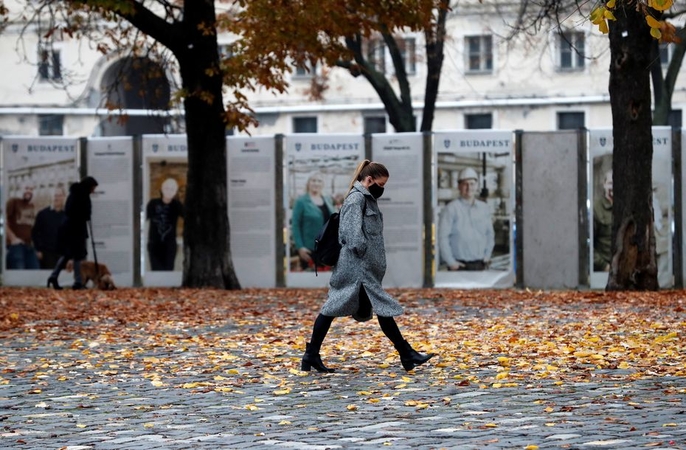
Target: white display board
252, 207
324, 164
402, 206
683, 196
34, 170
110, 162
600, 151
165, 165
474, 217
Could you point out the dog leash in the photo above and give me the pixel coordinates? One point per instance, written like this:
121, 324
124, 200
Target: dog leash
95, 255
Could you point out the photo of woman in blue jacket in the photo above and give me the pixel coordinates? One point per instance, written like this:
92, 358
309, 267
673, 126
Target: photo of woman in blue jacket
310, 211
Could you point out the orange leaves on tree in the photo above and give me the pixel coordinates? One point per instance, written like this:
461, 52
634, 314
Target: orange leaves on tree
655, 26
601, 14
663, 30
659, 29
278, 36
660, 5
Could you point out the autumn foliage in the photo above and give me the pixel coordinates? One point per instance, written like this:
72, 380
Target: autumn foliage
485, 338
659, 29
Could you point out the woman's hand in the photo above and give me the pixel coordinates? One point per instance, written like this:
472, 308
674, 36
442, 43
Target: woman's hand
456, 266
304, 254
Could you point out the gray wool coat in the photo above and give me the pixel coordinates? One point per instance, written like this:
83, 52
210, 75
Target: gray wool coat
362, 262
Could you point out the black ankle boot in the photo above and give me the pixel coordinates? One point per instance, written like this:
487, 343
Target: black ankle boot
311, 360
78, 286
52, 281
410, 358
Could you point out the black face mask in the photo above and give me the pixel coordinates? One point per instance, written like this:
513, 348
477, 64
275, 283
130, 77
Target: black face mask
375, 190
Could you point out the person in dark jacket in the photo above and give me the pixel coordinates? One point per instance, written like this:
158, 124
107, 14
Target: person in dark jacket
73, 232
46, 228
355, 286
164, 213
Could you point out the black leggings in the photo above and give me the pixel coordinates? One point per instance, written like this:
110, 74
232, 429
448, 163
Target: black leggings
323, 323
387, 323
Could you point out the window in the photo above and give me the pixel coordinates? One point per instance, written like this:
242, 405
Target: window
572, 51
49, 64
51, 125
408, 51
478, 121
570, 120
674, 119
225, 50
374, 124
666, 50
479, 53
305, 70
376, 55
304, 125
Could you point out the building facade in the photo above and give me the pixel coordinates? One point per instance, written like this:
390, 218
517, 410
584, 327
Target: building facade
542, 82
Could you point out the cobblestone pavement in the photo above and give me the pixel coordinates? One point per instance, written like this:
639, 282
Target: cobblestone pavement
54, 395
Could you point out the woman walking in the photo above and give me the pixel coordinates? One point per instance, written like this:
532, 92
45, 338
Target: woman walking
355, 287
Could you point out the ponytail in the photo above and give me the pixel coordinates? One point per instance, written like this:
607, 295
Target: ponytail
367, 168
356, 175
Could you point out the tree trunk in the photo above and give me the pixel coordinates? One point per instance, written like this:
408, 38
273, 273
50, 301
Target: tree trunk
663, 86
435, 43
633, 265
400, 113
207, 253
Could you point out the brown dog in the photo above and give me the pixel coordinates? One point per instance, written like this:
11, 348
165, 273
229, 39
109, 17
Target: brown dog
102, 278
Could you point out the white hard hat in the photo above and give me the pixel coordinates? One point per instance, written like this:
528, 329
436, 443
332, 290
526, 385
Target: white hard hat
466, 174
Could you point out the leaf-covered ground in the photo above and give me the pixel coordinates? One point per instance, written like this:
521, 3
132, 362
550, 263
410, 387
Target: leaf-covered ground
486, 338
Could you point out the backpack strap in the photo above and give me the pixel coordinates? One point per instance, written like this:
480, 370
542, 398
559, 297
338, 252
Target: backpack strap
364, 207
364, 212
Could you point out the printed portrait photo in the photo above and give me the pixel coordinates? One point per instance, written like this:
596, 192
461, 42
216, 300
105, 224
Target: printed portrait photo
602, 212
474, 210
603, 200
34, 210
164, 213
316, 189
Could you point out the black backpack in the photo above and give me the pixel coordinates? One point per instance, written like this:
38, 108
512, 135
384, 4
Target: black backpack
326, 246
